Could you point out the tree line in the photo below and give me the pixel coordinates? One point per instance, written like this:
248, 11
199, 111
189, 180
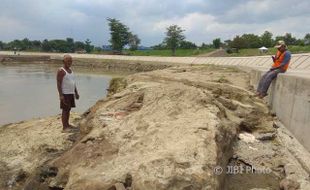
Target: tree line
58, 45
266, 39
121, 37
175, 39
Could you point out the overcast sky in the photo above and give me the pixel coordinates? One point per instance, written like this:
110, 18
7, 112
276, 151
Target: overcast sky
203, 20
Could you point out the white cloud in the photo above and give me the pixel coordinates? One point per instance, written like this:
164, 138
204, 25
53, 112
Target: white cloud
203, 20
10, 25
77, 16
190, 22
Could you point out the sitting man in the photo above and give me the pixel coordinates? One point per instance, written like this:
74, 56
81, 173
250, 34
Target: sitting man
280, 65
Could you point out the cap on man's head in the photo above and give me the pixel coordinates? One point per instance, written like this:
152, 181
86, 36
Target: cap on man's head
280, 43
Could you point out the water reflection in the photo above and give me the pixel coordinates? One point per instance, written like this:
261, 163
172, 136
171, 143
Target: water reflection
29, 91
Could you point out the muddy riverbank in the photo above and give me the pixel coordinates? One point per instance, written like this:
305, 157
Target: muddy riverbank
126, 66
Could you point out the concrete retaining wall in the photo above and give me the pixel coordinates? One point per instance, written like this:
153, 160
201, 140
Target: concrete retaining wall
299, 61
289, 98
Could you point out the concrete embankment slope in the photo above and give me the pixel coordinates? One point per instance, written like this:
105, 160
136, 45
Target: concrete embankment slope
289, 95
289, 98
300, 61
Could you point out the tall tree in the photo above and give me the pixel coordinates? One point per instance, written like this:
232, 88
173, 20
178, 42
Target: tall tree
289, 39
26, 44
88, 46
36, 44
59, 45
2, 44
266, 39
16, 44
70, 45
79, 46
46, 46
174, 36
187, 45
237, 42
307, 39
203, 46
227, 43
251, 41
119, 34
133, 41
217, 43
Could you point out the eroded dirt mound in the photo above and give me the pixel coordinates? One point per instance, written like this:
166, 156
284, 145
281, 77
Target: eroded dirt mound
166, 130
170, 129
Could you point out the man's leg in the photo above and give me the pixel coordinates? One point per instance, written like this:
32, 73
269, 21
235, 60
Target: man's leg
65, 118
261, 82
268, 79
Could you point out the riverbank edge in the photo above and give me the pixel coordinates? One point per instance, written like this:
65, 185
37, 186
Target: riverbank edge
109, 65
117, 68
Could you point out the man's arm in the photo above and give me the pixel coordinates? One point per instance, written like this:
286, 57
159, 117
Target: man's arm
60, 76
77, 96
287, 58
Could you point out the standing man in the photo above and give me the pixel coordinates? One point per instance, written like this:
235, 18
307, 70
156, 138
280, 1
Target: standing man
67, 91
281, 62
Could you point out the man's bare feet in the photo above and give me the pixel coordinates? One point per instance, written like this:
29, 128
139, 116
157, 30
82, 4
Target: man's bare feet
67, 130
261, 96
70, 129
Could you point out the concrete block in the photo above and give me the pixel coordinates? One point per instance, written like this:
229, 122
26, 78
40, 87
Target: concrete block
289, 98
217, 61
300, 122
282, 94
235, 61
304, 65
297, 61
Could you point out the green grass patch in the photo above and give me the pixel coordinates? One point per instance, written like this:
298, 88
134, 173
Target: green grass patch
299, 49
272, 51
252, 52
166, 53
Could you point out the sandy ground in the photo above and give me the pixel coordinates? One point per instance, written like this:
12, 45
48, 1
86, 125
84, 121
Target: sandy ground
177, 128
28, 145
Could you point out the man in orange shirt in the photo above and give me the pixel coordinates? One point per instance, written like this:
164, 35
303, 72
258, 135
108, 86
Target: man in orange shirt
280, 64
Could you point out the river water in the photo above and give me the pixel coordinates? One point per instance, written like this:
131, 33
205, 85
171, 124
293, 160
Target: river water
30, 91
